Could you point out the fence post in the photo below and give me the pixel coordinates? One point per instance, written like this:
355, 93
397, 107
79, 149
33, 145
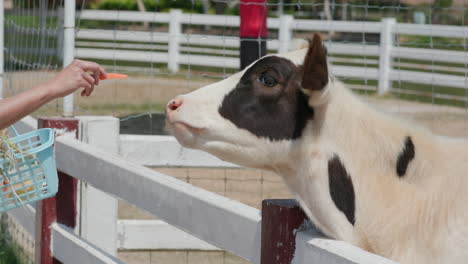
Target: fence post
98, 210
62, 207
280, 221
175, 30
385, 59
60, 32
68, 49
285, 33
253, 30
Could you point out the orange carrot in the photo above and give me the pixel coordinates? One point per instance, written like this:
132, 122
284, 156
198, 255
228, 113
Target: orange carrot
113, 76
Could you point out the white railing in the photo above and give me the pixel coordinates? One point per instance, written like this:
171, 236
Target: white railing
177, 44
220, 221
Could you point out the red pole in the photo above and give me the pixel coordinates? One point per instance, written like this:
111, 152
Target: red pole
61, 208
280, 221
253, 30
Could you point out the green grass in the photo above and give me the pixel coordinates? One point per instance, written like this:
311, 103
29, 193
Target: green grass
33, 21
433, 42
428, 92
8, 254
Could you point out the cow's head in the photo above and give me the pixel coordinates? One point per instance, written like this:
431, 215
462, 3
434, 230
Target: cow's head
253, 117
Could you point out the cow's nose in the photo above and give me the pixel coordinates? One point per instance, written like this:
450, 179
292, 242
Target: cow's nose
174, 104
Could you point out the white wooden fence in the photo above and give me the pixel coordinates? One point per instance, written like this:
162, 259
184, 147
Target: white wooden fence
210, 48
215, 219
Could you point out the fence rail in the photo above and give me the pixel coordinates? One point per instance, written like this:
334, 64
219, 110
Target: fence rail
72, 249
176, 43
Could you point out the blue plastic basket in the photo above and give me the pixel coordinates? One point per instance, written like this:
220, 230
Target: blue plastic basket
32, 175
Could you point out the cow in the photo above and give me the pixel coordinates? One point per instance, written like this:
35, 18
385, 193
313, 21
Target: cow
361, 176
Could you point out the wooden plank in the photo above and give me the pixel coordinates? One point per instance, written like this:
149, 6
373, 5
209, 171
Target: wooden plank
431, 30
355, 72
158, 57
156, 235
71, 249
159, 17
98, 210
130, 16
352, 49
311, 247
430, 54
213, 218
158, 37
211, 20
122, 55
133, 46
123, 35
337, 26
430, 78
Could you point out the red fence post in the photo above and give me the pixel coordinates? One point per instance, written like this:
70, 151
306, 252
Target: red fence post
281, 218
252, 31
61, 208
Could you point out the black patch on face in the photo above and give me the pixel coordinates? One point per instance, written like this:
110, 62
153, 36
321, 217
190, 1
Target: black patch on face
405, 157
268, 101
341, 188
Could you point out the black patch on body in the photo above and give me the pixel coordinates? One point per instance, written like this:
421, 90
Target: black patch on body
275, 108
405, 157
341, 188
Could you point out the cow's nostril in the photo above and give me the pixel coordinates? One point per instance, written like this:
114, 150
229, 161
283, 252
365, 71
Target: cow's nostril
174, 104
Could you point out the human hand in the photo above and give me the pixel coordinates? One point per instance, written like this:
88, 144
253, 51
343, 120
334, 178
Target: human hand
79, 74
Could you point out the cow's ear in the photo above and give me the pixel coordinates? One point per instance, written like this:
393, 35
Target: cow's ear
315, 69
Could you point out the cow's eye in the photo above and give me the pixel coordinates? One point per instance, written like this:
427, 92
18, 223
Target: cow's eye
267, 79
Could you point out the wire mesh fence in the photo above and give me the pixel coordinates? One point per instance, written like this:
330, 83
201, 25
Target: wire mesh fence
207, 50
33, 46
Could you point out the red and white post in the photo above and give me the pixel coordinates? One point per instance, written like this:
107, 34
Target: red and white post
63, 207
281, 219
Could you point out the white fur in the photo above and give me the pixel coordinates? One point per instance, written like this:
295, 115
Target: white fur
421, 218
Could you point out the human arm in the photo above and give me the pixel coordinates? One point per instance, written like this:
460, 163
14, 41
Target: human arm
79, 74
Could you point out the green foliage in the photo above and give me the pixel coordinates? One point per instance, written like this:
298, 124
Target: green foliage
7, 254
432, 42
151, 5
376, 3
443, 3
